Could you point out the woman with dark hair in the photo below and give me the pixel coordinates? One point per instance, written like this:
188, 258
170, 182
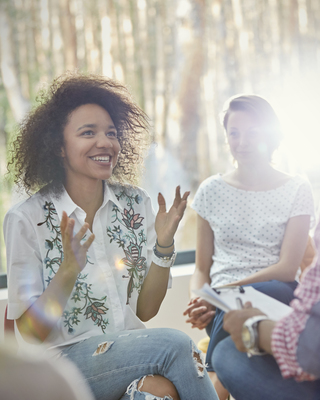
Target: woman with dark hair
88, 261
253, 222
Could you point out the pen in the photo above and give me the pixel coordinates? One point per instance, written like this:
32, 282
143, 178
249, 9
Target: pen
239, 303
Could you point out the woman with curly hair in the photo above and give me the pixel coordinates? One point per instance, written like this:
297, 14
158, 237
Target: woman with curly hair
87, 259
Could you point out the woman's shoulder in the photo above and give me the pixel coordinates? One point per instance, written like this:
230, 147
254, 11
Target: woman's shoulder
296, 180
26, 211
211, 181
25, 203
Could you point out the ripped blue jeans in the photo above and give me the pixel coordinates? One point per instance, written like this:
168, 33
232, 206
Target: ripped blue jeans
114, 363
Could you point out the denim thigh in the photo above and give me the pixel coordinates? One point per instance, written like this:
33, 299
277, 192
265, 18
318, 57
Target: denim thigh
115, 362
257, 377
282, 291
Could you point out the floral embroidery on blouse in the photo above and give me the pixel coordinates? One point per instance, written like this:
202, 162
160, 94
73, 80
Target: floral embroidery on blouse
85, 304
130, 239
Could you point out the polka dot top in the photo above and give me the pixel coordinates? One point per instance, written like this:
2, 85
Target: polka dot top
249, 226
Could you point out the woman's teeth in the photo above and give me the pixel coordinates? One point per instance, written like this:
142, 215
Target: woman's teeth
101, 158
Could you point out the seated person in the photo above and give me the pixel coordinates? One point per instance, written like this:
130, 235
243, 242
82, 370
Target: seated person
252, 222
88, 261
291, 369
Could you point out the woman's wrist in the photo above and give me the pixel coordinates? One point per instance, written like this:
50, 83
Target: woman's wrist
163, 247
68, 272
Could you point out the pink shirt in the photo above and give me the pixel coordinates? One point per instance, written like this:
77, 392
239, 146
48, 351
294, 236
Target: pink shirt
286, 334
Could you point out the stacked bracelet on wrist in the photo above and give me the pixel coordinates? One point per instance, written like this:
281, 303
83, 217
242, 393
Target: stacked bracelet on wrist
161, 259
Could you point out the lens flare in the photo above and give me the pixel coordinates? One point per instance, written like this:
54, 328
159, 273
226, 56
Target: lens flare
119, 264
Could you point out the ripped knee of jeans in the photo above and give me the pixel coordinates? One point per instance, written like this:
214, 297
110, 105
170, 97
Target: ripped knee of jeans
198, 361
136, 386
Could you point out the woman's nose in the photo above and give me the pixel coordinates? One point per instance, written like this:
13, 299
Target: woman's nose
103, 140
243, 140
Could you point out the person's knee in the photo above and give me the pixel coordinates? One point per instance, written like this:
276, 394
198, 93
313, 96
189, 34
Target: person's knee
222, 358
181, 349
175, 343
159, 386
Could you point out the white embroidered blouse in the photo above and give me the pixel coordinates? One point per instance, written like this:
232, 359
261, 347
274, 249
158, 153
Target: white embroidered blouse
105, 294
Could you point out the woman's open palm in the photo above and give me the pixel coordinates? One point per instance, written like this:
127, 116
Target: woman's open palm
75, 252
167, 222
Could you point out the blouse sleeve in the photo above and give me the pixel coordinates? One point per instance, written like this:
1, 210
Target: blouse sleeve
24, 264
200, 200
304, 203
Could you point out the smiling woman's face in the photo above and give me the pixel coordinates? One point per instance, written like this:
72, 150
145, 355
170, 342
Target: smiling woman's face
246, 138
91, 146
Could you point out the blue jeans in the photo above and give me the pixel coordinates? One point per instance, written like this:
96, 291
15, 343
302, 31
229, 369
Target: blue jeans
282, 291
128, 356
257, 377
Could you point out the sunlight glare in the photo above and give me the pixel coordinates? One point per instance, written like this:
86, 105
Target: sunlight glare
298, 110
119, 264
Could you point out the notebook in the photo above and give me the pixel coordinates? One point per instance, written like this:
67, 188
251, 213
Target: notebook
225, 298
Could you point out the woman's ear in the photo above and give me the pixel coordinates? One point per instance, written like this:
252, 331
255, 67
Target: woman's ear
62, 152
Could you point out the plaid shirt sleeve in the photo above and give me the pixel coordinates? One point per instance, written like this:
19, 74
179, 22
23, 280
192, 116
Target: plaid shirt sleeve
285, 336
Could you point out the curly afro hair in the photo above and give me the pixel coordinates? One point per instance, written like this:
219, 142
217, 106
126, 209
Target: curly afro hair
35, 156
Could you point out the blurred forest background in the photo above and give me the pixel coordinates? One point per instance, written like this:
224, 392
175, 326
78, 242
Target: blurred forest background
181, 59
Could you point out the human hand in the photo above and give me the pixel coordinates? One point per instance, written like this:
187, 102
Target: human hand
233, 322
200, 313
167, 223
75, 253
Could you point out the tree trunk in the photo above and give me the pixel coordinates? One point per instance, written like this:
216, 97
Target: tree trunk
68, 30
19, 105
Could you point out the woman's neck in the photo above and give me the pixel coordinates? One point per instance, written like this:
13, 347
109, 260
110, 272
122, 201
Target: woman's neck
252, 176
87, 197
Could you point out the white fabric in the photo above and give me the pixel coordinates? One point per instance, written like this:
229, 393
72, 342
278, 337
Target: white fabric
249, 226
105, 294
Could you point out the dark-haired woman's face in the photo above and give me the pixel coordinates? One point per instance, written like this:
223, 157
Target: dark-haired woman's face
246, 138
91, 146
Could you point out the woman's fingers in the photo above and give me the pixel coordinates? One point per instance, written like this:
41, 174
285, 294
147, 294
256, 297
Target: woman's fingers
70, 227
203, 320
162, 203
82, 231
197, 313
182, 205
67, 228
177, 198
64, 222
193, 303
186, 195
88, 242
180, 202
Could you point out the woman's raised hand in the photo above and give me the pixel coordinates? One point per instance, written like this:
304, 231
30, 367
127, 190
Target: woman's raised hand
167, 223
75, 253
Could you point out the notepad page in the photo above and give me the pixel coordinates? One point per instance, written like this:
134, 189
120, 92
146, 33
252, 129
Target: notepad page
226, 300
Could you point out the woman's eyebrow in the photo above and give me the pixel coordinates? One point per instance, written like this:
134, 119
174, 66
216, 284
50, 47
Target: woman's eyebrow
94, 126
87, 126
